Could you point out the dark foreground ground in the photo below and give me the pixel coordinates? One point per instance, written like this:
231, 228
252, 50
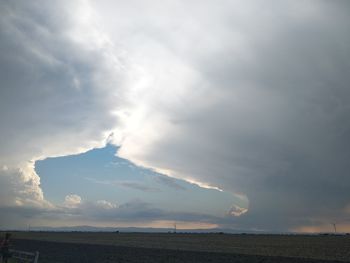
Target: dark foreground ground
55, 252
182, 247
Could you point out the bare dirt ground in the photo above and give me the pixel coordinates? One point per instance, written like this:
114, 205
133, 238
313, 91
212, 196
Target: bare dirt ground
55, 252
150, 247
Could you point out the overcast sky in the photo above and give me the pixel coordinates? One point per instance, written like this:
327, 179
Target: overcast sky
245, 104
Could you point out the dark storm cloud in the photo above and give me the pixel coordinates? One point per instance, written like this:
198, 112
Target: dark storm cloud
276, 128
285, 140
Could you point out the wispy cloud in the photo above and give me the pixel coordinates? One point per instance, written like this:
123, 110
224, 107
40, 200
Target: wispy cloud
128, 184
168, 181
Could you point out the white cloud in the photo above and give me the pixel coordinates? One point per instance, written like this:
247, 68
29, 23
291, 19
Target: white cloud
21, 187
106, 205
72, 201
237, 210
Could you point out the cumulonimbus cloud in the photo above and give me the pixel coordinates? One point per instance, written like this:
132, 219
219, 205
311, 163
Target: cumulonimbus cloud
256, 105
250, 97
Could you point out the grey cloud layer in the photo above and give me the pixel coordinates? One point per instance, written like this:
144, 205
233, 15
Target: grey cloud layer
53, 84
100, 212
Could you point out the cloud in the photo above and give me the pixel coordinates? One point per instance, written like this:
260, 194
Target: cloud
105, 204
251, 98
26, 193
135, 211
128, 184
262, 106
60, 82
72, 201
236, 210
170, 182
138, 186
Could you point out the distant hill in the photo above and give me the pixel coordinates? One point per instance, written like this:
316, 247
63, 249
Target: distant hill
136, 229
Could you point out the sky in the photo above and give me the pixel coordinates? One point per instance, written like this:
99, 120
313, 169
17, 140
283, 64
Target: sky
230, 114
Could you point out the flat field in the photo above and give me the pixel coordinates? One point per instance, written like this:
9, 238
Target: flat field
150, 247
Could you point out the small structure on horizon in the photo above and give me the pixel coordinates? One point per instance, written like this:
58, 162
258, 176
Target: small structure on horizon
335, 228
